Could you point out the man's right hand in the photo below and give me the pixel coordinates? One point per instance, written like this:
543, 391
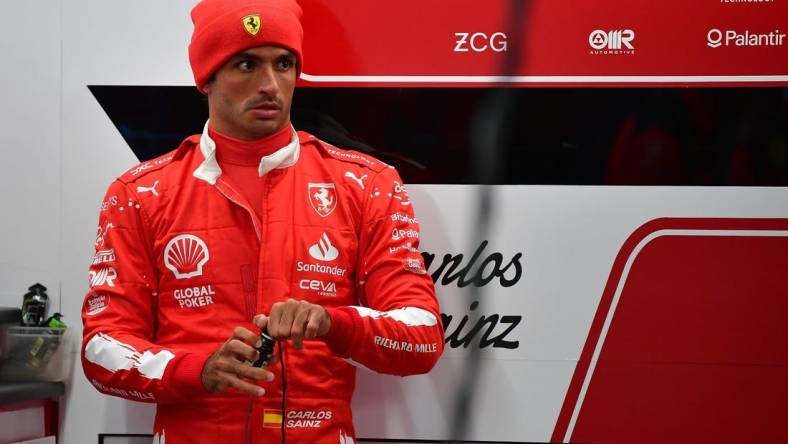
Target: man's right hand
225, 368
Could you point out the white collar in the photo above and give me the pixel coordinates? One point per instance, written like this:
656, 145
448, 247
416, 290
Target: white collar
209, 170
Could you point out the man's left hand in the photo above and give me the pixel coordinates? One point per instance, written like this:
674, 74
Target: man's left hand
295, 320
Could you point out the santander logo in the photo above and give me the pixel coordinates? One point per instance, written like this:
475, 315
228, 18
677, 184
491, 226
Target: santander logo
323, 250
185, 256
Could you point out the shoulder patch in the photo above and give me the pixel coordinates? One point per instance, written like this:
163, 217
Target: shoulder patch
351, 156
146, 167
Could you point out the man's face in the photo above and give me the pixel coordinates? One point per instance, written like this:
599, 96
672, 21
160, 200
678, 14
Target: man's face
250, 96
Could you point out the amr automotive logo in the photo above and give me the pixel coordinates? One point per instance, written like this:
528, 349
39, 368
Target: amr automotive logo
717, 37
618, 41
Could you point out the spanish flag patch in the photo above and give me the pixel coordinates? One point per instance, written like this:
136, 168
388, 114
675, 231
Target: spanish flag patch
272, 418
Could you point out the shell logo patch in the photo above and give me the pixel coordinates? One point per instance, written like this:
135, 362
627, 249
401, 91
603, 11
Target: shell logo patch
252, 24
185, 256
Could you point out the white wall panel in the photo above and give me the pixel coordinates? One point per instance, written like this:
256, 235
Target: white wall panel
19, 425
569, 237
144, 42
30, 170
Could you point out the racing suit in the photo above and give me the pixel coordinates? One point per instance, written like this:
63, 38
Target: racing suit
181, 259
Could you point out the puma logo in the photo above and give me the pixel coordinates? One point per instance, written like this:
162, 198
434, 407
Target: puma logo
358, 180
151, 189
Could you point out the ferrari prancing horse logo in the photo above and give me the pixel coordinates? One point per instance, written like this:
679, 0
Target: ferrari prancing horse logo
323, 197
252, 24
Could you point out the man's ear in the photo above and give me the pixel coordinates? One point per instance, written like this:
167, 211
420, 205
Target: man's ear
207, 87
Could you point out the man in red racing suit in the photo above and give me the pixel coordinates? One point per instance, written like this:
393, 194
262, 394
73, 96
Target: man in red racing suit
320, 248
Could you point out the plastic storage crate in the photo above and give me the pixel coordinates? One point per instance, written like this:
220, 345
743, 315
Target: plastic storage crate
35, 354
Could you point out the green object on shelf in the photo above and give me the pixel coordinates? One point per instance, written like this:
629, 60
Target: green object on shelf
55, 322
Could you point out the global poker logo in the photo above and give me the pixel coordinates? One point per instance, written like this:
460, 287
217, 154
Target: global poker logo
611, 42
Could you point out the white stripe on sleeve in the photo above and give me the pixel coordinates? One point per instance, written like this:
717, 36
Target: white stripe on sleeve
114, 355
410, 316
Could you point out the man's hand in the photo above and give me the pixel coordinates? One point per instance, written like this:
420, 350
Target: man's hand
296, 320
225, 367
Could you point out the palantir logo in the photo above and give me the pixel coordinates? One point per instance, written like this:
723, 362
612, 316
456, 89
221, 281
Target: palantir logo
323, 250
714, 38
612, 42
731, 37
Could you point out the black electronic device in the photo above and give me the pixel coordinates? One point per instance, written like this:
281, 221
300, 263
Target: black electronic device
266, 350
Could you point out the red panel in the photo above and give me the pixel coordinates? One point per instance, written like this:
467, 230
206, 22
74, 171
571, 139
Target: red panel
52, 419
419, 38
697, 350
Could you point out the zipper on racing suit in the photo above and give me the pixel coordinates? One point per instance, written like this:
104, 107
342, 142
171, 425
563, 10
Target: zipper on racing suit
251, 301
250, 297
280, 344
247, 274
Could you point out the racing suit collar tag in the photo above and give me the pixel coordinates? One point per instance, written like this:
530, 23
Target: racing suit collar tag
282, 158
210, 171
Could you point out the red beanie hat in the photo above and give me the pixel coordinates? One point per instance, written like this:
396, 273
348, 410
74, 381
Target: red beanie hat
223, 28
